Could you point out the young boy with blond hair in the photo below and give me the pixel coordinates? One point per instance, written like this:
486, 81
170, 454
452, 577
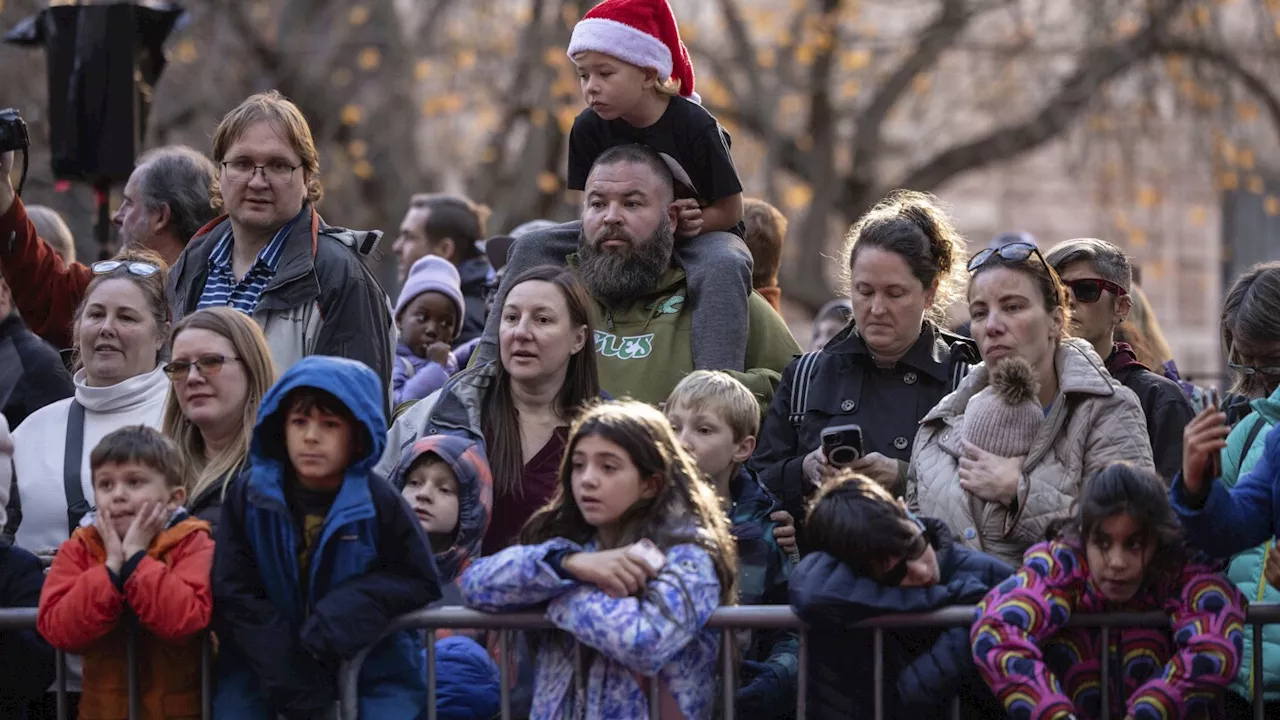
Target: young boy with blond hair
637, 82
137, 555
716, 418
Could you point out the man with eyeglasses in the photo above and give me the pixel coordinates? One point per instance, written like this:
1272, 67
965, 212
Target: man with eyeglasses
272, 257
1098, 276
164, 203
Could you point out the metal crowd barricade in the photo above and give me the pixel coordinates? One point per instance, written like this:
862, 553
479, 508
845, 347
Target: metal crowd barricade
25, 619
753, 617
764, 617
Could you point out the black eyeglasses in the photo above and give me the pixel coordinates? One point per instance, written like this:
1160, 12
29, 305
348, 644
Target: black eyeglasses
1272, 370
275, 172
206, 365
915, 549
141, 269
1089, 290
1013, 252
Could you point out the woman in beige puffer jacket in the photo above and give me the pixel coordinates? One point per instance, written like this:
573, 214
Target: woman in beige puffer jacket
1003, 506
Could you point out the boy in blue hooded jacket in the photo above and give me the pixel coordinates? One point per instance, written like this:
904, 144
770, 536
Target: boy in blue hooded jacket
447, 483
316, 555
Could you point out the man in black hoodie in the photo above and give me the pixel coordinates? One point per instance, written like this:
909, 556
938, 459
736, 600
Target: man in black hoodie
1099, 276
871, 557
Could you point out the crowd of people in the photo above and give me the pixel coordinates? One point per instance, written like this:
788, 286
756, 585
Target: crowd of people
230, 427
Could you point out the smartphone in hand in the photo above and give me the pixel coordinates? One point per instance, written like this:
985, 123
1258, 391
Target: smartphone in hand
1213, 467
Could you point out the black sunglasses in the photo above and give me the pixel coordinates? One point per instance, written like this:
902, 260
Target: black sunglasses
1013, 252
1089, 290
896, 574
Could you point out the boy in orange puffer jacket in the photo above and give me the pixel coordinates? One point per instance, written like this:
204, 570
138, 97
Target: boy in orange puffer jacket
139, 561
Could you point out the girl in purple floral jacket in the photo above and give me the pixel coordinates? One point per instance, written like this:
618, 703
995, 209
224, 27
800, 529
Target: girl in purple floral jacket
631, 556
1122, 552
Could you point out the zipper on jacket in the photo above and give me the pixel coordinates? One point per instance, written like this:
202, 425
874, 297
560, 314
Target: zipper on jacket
608, 320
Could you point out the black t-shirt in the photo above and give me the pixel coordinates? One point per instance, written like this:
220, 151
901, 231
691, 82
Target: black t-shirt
686, 134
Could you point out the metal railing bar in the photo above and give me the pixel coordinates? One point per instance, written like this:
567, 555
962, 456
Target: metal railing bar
955, 707
60, 662
431, 674
504, 672
878, 678
802, 675
1105, 661
1258, 694
206, 676
729, 665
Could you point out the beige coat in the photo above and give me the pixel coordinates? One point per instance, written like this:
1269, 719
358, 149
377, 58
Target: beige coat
1094, 421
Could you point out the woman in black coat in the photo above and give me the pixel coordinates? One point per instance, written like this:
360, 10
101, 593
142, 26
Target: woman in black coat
887, 368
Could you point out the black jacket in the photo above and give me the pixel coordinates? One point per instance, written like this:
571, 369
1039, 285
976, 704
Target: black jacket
26, 658
846, 387
923, 669
31, 372
475, 274
1167, 409
322, 300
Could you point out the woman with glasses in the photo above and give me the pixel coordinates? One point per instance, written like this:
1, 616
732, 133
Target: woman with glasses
219, 371
889, 364
1250, 329
1000, 505
119, 333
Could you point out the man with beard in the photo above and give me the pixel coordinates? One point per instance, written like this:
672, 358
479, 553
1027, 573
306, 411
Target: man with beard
642, 311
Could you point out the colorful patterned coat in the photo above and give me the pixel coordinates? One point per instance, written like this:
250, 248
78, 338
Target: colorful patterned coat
1041, 671
661, 633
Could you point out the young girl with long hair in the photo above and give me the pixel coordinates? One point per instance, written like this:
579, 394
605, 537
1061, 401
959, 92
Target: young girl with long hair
1122, 551
633, 555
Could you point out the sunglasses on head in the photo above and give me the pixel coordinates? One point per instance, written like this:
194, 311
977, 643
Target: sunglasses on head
919, 543
1013, 252
141, 269
1089, 290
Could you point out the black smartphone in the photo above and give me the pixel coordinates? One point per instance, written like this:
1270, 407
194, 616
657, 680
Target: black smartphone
1213, 468
842, 444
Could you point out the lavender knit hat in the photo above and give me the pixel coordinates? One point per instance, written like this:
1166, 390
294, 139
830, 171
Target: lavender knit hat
432, 273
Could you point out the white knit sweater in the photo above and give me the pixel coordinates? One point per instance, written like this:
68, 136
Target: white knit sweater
40, 441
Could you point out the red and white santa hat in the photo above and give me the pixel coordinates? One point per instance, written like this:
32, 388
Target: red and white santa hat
640, 32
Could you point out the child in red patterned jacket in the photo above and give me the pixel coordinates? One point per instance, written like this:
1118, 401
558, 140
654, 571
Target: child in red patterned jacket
1122, 552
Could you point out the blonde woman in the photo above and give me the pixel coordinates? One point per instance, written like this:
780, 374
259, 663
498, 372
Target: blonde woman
221, 368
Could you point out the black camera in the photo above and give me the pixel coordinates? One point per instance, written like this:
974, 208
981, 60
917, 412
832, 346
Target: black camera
13, 131
842, 445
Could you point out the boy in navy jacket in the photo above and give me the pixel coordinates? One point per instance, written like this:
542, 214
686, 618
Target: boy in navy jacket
315, 555
871, 557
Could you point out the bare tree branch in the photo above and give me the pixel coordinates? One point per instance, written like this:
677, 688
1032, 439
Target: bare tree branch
1074, 95
1229, 64
940, 35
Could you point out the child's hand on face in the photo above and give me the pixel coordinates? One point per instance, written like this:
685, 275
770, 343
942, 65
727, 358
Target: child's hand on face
146, 525
617, 572
438, 353
689, 219
110, 540
785, 533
